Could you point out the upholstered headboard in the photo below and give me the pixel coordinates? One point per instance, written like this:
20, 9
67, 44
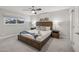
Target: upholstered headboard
46, 24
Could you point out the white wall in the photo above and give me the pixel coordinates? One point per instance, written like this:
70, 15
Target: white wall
34, 18
62, 16
76, 29
6, 30
63, 19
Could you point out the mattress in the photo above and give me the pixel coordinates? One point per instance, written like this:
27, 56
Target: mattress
42, 36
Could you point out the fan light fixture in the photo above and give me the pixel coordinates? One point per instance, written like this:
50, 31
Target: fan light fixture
33, 9
34, 12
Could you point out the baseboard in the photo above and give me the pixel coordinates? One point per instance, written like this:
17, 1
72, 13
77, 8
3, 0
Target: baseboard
8, 36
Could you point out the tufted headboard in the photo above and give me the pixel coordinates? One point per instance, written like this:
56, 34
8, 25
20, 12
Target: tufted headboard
46, 24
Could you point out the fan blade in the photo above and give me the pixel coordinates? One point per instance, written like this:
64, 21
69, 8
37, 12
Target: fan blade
38, 9
32, 9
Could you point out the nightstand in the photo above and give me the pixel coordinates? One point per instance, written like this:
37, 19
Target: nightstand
55, 34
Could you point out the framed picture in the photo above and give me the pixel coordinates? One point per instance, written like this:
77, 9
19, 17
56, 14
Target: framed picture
13, 20
20, 20
10, 20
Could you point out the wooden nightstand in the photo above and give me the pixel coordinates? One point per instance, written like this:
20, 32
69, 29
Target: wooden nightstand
55, 34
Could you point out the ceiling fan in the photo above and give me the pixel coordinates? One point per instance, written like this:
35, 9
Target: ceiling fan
33, 9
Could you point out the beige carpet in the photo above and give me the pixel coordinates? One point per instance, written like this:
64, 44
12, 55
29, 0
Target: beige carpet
53, 45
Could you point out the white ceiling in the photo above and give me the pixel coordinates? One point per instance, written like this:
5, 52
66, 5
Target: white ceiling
20, 9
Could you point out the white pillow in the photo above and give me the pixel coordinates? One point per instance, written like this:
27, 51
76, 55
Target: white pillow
37, 27
43, 28
47, 28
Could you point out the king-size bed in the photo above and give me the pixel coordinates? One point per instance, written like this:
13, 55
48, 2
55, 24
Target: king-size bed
37, 38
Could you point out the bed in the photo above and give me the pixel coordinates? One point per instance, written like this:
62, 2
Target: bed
41, 39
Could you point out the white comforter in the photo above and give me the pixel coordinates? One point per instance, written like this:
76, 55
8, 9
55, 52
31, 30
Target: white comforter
43, 35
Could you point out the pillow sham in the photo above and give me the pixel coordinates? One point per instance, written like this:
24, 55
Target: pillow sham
47, 28
43, 28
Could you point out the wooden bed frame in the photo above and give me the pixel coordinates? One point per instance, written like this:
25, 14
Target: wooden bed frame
36, 44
